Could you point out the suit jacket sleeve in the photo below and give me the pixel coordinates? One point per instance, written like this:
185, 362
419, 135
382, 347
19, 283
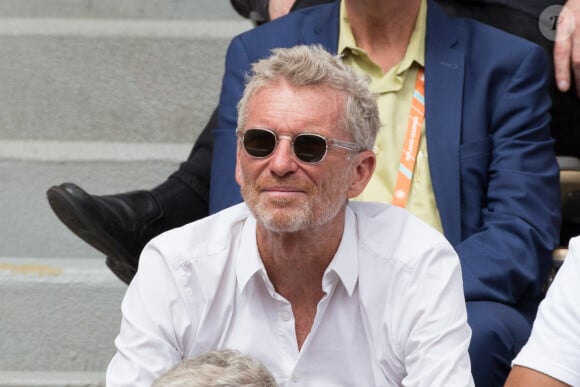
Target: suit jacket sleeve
506, 253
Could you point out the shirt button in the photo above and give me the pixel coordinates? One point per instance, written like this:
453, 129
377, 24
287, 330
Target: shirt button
295, 378
285, 316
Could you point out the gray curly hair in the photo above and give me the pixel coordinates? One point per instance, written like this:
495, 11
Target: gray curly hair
221, 368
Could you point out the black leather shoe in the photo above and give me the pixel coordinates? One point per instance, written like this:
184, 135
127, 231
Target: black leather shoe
119, 225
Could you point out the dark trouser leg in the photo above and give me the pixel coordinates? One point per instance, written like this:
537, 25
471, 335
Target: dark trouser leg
184, 195
498, 333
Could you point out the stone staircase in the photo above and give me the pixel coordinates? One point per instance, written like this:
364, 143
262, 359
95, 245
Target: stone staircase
109, 94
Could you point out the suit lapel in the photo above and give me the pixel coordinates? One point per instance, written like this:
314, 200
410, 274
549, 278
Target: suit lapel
444, 84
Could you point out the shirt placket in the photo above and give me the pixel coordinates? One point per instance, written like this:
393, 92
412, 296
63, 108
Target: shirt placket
296, 376
286, 337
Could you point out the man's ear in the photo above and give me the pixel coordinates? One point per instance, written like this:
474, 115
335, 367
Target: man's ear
364, 167
238, 168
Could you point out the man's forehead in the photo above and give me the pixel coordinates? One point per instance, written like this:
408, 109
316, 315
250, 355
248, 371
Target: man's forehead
307, 98
283, 85
301, 108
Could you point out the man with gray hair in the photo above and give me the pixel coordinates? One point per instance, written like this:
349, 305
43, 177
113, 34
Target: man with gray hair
322, 291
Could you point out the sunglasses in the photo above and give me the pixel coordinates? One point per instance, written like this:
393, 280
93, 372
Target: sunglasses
307, 147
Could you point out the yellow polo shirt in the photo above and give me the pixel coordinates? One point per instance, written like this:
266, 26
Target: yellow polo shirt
395, 92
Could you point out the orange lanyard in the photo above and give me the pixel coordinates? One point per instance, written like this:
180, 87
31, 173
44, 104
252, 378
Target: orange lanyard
411, 143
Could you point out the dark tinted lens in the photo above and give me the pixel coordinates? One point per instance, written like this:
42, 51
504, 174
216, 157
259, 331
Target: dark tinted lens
309, 148
259, 143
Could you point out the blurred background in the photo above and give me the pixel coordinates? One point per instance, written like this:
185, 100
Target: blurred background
109, 94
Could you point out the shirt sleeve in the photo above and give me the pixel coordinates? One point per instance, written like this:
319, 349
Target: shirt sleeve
433, 324
155, 323
554, 345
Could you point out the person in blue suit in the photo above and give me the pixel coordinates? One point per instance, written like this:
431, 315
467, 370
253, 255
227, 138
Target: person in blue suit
486, 148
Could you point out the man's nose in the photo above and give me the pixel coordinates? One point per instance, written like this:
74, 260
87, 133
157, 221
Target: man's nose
282, 160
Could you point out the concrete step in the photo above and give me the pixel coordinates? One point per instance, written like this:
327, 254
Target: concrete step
130, 9
110, 95
51, 379
113, 105
58, 316
28, 227
110, 80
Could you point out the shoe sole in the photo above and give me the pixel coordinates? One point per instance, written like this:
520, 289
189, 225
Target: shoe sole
75, 219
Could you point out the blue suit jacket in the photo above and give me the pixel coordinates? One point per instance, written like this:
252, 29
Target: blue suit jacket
493, 169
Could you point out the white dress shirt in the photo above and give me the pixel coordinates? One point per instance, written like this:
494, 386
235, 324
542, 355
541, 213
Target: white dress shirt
393, 312
554, 344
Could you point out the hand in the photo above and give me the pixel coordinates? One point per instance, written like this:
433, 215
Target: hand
567, 47
279, 8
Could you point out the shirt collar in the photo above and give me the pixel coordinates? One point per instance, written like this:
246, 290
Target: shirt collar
345, 262
344, 265
415, 51
248, 261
